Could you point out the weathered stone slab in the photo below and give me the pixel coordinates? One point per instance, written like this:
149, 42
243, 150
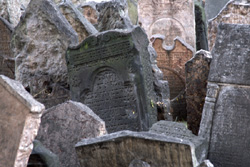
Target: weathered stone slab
19, 122
112, 74
197, 70
7, 63
228, 90
39, 45
11, 11
169, 18
233, 13
64, 125
121, 148
80, 24
171, 60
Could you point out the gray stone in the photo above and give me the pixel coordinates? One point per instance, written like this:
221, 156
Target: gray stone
228, 90
80, 24
89, 12
10, 10
19, 122
64, 125
39, 44
138, 163
206, 163
121, 148
112, 74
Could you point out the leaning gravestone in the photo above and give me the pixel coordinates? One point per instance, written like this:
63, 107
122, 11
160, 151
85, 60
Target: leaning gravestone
225, 120
64, 125
19, 122
112, 74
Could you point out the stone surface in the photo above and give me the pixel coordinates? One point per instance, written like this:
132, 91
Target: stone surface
138, 163
233, 13
206, 163
120, 148
112, 74
80, 24
39, 44
171, 60
169, 18
89, 12
19, 122
10, 10
64, 125
228, 90
41, 156
7, 63
197, 70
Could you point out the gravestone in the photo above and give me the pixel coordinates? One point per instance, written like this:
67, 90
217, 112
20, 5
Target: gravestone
80, 24
64, 125
228, 90
233, 13
39, 44
197, 70
171, 60
112, 74
19, 122
169, 18
7, 63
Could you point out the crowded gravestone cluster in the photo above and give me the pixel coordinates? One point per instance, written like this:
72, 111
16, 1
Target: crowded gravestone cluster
124, 83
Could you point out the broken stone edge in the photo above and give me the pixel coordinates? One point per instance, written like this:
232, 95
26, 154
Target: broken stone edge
141, 135
17, 89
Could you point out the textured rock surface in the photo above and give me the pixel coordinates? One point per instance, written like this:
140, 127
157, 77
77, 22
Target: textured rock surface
64, 125
232, 13
39, 44
80, 24
206, 163
169, 18
228, 90
7, 63
111, 73
197, 70
121, 148
10, 10
19, 122
138, 163
171, 60
89, 12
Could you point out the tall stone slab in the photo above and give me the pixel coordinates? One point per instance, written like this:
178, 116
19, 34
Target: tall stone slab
64, 125
169, 18
39, 44
171, 60
19, 122
234, 12
225, 120
7, 63
197, 70
112, 74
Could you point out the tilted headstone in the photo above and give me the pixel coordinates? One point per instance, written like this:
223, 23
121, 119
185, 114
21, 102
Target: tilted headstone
39, 44
80, 24
112, 74
19, 122
64, 125
171, 60
197, 70
7, 62
169, 18
225, 119
233, 13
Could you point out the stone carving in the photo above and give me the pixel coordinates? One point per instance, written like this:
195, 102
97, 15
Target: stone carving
10, 10
228, 90
19, 122
233, 13
64, 125
197, 70
80, 24
112, 74
148, 148
171, 60
7, 63
169, 18
39, 44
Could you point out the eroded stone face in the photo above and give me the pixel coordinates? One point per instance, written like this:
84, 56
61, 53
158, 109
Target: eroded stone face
19, 122
232, 13
11, 11
64, 125
228, 90
169, 18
